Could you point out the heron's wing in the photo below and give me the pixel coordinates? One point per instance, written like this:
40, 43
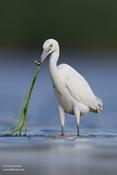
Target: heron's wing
79, 87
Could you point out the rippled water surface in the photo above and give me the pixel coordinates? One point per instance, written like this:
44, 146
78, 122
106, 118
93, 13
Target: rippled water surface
45, 152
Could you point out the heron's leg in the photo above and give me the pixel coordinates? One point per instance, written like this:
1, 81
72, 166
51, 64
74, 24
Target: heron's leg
62, 119
77, 115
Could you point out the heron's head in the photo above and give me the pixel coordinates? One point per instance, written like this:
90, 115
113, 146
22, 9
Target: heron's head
49, 47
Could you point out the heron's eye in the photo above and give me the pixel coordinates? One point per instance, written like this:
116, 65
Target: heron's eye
51, 45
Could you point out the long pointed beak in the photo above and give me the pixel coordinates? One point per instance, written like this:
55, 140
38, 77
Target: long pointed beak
43, 56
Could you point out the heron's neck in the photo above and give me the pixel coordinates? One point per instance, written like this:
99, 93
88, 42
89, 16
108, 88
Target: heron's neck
53, 63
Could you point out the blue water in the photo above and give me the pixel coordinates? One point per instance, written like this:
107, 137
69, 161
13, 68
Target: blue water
47, 153
44, 151
16, 72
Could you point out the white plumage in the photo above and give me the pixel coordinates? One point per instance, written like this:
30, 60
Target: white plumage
73, 91
79, 87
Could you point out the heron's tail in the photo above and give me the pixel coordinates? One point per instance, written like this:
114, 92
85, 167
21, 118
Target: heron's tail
99, 104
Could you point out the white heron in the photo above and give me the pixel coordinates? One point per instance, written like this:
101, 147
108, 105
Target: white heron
72, 89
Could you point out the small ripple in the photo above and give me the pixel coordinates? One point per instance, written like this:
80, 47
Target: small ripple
53, 136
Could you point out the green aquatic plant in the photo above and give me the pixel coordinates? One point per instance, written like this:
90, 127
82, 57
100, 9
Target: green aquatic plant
21, 126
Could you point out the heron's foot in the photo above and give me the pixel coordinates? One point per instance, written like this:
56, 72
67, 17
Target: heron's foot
78, 130
62, 130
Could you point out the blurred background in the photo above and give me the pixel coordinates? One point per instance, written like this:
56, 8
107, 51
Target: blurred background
74, 23
87, 33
